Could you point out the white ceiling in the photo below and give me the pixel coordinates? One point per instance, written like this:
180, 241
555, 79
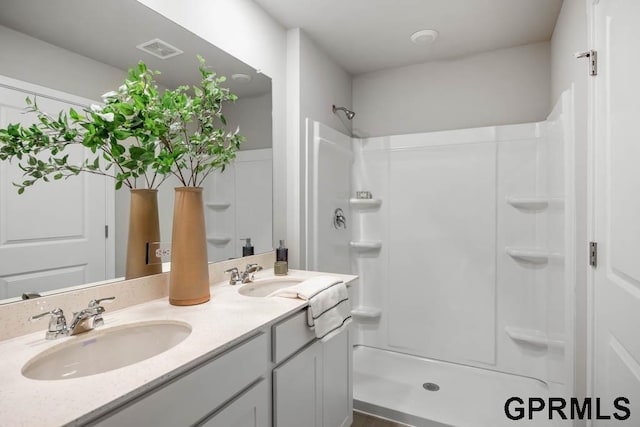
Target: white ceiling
108, 32
370, 35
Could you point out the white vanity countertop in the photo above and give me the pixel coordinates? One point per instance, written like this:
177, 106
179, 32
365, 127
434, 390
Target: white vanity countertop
217, 325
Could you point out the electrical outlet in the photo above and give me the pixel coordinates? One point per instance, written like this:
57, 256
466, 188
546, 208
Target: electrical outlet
163, 252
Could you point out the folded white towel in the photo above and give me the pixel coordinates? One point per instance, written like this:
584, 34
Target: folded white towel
329, 308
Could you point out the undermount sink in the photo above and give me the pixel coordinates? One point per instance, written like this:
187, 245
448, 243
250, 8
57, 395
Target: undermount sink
103, 351
265, 287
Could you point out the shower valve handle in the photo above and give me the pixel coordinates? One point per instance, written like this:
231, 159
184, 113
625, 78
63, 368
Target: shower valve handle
339, 220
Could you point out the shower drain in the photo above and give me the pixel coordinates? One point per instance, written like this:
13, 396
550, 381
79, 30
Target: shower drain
431, 386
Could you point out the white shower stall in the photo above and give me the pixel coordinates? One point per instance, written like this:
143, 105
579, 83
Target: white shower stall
465, 296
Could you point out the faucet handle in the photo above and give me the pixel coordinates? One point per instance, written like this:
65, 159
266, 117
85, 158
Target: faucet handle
234, 275
250, 269
55, 313
97, 302
254, 265
57, 323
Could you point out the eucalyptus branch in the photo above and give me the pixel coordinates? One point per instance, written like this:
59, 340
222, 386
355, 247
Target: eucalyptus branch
84, 170
153, 180
158, 125
177, 171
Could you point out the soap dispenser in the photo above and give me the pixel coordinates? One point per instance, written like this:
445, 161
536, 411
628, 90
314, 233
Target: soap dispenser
247, 249
281, 267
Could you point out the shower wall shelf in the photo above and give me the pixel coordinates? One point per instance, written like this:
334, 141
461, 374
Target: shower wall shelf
218, 206
366, 245
529, 203
533, 337
219, 240
532, 256
365, 203
366, 313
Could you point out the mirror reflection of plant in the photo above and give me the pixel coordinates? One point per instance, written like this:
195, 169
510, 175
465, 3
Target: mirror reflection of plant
138, 134
197, 142
119, 136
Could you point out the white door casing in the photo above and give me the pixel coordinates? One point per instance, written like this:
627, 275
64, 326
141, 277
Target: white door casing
615, 296
53, 235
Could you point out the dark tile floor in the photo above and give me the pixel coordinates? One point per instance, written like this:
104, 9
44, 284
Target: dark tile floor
363, 420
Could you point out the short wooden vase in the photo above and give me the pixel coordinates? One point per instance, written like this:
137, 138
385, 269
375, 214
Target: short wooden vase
189, 277
144, 228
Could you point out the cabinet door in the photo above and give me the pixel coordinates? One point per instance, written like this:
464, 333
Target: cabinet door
337, 384
297, 390
248, 410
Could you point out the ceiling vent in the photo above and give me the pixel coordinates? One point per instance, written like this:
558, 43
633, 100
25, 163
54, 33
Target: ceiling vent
159, 49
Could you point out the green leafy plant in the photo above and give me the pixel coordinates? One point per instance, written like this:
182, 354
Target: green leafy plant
192, 155
138, 136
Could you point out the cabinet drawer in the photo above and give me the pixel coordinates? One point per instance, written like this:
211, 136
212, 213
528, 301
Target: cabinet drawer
196, 394
290, 335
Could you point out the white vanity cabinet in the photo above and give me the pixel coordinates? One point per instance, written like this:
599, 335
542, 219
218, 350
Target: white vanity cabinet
224, 387
314, 386
306, 383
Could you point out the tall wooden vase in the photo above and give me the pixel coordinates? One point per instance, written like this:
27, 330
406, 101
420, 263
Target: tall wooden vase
144, 227
189, 277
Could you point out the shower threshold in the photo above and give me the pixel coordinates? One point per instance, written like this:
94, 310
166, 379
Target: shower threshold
428, 393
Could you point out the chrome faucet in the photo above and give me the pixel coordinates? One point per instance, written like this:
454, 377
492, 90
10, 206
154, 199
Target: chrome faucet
246, 276
249, 272
83, 321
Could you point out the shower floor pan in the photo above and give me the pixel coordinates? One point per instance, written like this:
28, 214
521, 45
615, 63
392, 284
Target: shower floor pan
428, 393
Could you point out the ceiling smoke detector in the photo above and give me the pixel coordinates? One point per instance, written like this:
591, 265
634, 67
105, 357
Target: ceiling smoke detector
424, 37
159, 49
241, 78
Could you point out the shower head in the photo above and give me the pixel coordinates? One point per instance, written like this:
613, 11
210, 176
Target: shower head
350, 114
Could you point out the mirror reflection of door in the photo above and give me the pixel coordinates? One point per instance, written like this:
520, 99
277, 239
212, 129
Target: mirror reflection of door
52, 235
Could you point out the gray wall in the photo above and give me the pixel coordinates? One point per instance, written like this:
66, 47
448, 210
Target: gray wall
253, 117
500, 87
323, 83
314, 83
28, 59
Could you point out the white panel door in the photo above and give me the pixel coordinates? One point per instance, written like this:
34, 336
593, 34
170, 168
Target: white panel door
616, 292
53, 235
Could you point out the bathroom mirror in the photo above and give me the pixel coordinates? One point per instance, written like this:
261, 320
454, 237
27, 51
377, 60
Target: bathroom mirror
70, 52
